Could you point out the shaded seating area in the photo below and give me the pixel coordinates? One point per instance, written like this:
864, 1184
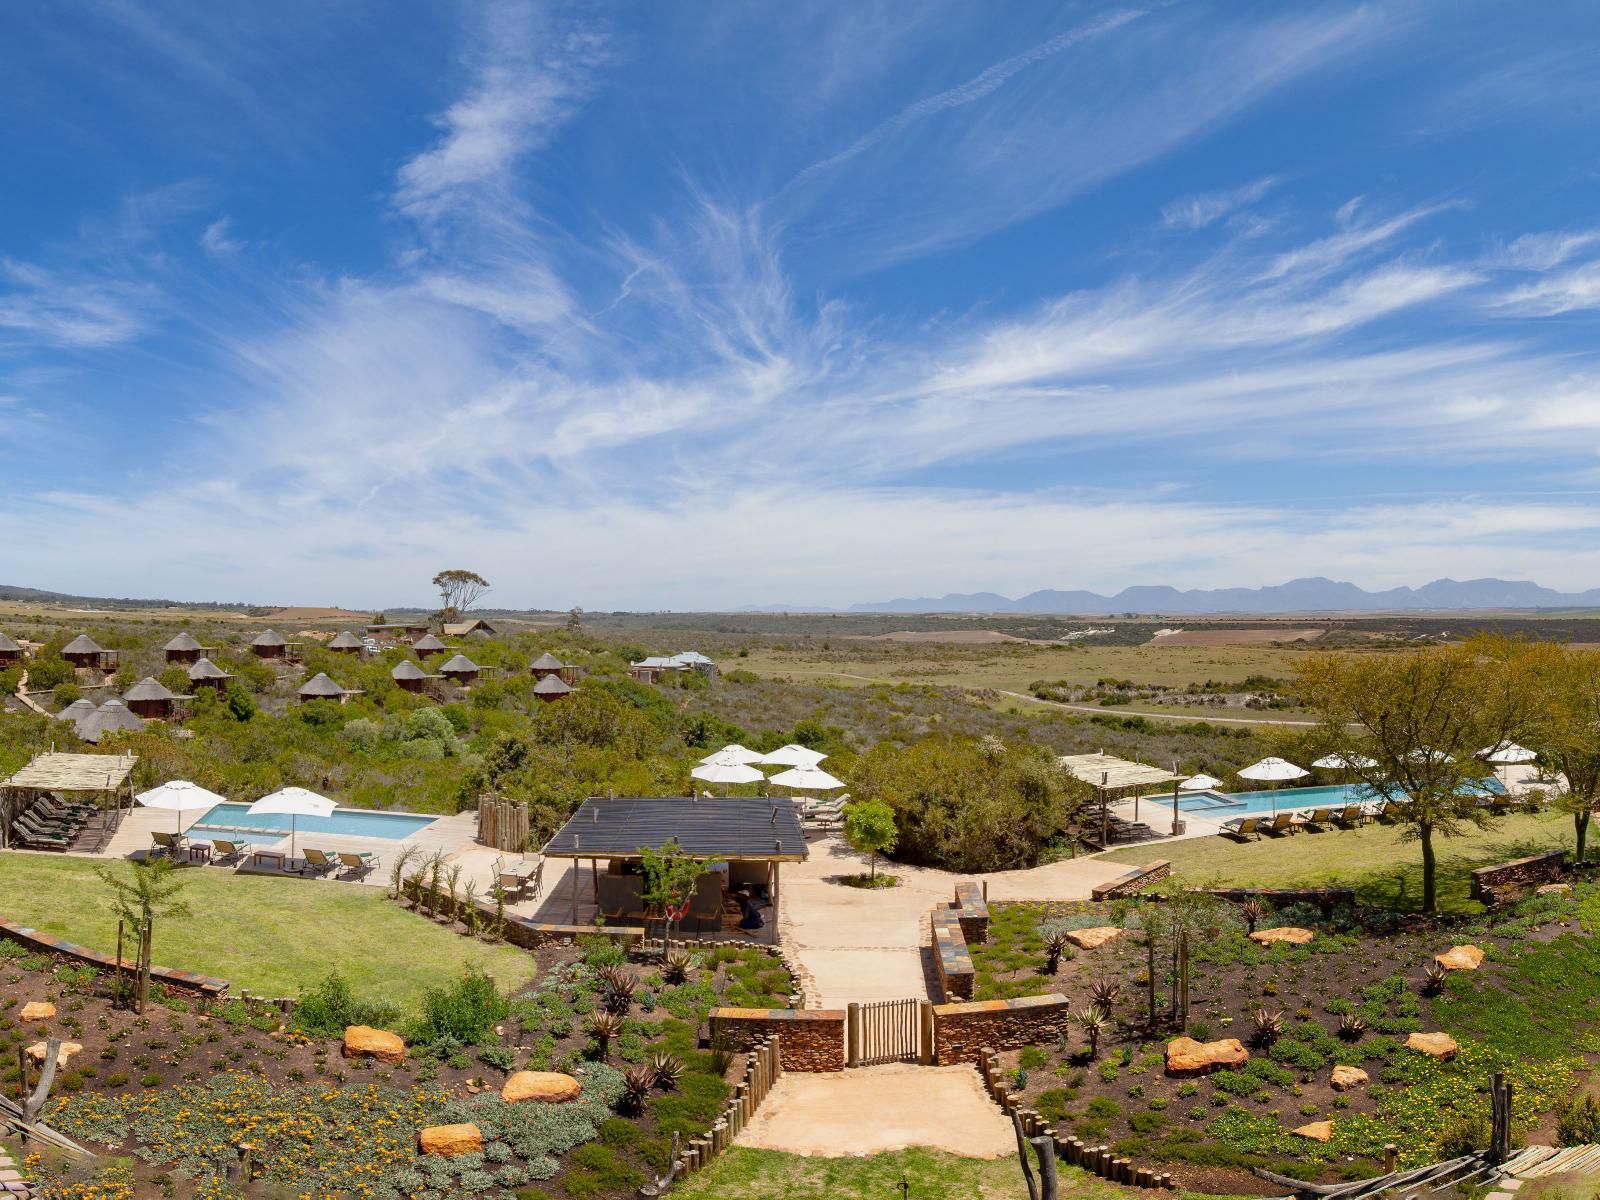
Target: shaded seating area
74, 798
751, 839
1112, 778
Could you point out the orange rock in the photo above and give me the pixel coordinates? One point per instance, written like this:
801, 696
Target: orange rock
1460, 958
1345, 1078
549, 1086
38, 1010
363, 1041
450, 1140
1093, 939
1317, 1131
1185, 1056
1435, 1045
1292, 934
38, 1050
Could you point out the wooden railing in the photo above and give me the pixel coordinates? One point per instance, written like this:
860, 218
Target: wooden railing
763, 1068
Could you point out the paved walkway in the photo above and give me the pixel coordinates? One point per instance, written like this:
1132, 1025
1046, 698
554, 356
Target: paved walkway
872, 945
874, 1109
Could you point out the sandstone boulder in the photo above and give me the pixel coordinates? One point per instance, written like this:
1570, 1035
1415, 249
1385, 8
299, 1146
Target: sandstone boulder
363, 1041
1435, 1045
38, 1050
38, 1010
450, 1140
549, 1086
1345, 1078
1552, 889
1317, 1131
1292, 934
1460, 958
1093, 939
1185, 1056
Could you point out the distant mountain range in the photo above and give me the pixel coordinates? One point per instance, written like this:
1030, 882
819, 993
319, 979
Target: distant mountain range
1296, 596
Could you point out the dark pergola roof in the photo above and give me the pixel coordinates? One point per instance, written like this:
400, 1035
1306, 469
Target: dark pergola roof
552, 685
546, 662
269, 637
184, 641
82, 644
729, 828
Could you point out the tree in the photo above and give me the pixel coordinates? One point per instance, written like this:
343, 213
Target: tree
138, 899
575, 621
458, 591
869, 827
1419, 717
670, 877
1567, 727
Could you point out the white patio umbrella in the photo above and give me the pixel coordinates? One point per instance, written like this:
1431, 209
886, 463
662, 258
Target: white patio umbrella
807, 779
1199, 783
1343, 762
180, 796
1273, 771
734, 754
294, 802
1506, 754
793, 755
727, 772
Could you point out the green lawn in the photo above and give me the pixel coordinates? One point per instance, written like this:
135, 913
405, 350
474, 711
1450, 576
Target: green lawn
1384, 870
272, 936
932, 1175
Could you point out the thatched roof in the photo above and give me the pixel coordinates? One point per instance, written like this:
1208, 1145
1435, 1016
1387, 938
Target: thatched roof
8, 646
463, 628
74, 772
204, 668
148, 689
82, 644
79, 708
320, 687
268, 637
111, 717
459, 664
184, 641
345, 640
428, 644
1109, 772
552, 685
409, 670
547, 662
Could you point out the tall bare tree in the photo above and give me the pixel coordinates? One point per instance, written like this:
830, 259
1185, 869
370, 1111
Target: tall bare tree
459, 590
1567, 733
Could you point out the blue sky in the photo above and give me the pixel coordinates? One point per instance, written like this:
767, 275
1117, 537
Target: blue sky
672, 306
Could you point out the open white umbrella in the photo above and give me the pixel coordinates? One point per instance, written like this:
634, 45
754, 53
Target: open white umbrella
1345, 762
1199, 783
807, 779
1506, 754
179, 796
727, 772
294, 802
1273, 771
734, 754
793, 755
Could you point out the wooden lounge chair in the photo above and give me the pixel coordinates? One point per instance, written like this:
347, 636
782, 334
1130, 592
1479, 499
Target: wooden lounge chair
33, 835
58, 810
358, 862
1388, 811
167, 843
1349, 816
1281, 824
1317, 818
223, 851
318, 862
1241, 828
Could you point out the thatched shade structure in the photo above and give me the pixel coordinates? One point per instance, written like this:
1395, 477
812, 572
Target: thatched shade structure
206, 673
409, 677
460, 669
100, 777
10, 652
346, 643
547, 664
552, 687
320, 687
183, 648
84, 651
111, 717
428, 644
269, 644
149, 699
76, 711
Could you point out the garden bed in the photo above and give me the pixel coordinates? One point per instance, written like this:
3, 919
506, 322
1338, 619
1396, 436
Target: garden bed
1351, 997
177, 1088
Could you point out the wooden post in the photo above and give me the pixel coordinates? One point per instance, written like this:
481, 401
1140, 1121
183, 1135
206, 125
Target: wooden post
1022, 1157
1049, 1181
928, 1055
852, 1034
1390, 1152
120, 999
1183, 979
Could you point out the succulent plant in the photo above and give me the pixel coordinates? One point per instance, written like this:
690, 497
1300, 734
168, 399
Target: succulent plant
1104, 993
675, 967
1095, 1023
667, 1068
602, 1026
636, 1084
1266, 1027
619, 985
1055, 945
1251, 911
1351, 1027
1433, 979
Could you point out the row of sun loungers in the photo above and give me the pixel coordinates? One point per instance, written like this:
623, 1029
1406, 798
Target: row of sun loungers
1347, 817
51, 824
225, 853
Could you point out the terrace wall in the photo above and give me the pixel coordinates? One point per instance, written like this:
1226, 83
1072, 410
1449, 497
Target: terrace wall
183, 981
1133, 881
962, 1032
808, 1039
1489, 884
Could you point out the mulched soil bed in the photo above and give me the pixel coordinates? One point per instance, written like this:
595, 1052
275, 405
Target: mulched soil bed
1530, 1009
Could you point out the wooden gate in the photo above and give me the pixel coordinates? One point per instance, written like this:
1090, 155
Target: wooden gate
886, 1031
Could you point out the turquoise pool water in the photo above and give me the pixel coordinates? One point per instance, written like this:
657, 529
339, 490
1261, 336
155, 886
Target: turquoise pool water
1242, 804
234, 822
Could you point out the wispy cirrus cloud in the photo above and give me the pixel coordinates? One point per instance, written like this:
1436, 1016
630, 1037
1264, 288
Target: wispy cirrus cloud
68, 309
1207, 208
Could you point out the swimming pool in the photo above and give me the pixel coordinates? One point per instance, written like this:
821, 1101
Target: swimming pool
1223, 805
234, 822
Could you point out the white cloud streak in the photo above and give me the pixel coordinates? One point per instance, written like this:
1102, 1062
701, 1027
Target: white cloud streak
1207, 208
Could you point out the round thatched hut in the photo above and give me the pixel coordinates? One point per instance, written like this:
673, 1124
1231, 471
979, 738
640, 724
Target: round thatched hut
346, 642
409, 677
111, 717
183, 649
10, 652
552, 687
460, 669
320, 687
150, 700
269, 644
428, 644
84, 651
547, 664
205, 673
76, 711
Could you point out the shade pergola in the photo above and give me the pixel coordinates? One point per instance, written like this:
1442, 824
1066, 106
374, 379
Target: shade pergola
103, 775
1108, 774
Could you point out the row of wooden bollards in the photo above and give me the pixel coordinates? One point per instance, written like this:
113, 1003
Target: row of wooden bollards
763, 1067
1096, 1158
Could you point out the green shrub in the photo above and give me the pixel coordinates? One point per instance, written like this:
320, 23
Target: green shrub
465, 1011
327, 1008
1033, 1059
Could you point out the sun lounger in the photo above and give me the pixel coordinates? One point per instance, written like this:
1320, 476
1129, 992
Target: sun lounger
32, 835
1281, 824
223, 851
1388, 811
167, 843
1241, 828
358, 862
58, 810
318, 862
1317, 818
1349, 816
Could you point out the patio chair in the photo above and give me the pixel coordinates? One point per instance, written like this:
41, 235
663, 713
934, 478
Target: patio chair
1281, 824
1388, 811
1317, 818
318, 862
59, 810
358, 862
44, 816
1241, 828
167, 843
223, 851
1349, 816
37, 838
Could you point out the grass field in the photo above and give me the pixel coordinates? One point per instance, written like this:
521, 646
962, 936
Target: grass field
930, 1174
1384, 870
272, 936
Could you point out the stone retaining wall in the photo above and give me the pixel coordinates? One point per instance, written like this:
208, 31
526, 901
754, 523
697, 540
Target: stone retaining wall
962, 1031
973, 911
187, 982
808, 1039
1489, 884
1130, 882
951, 958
